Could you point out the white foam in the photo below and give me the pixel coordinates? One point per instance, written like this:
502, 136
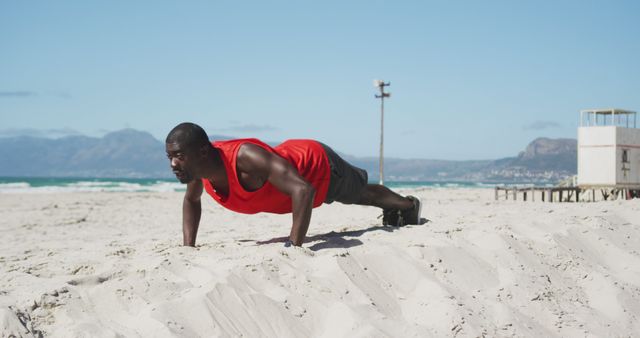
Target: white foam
15, 185
92, 186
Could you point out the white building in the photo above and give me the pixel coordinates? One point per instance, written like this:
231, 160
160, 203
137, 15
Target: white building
608, 149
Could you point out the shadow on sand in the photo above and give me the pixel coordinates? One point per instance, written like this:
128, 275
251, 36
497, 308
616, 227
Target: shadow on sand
334, 239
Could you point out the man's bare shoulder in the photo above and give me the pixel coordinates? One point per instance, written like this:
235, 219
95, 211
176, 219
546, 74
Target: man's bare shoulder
252, 157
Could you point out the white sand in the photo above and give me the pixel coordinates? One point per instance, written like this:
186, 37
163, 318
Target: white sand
110, 264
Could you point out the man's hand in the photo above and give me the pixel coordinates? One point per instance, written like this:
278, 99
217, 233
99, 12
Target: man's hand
302, 200
191, 212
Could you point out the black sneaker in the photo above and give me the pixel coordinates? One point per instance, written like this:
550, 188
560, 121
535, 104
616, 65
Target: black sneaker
392, 217
412, 216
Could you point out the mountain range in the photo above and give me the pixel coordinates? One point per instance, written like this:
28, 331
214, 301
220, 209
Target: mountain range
131, 153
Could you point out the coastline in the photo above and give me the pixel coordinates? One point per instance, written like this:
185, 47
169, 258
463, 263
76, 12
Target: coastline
94, 184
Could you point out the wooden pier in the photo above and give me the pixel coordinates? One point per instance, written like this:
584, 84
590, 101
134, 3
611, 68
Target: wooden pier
550, 194
566, 194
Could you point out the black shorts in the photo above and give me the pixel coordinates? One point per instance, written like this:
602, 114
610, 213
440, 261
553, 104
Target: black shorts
347, 181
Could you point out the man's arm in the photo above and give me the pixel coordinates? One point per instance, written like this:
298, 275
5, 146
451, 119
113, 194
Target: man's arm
191, 211
284, 177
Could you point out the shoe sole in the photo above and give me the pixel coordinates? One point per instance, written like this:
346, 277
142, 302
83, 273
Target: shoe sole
419, 210
419, 218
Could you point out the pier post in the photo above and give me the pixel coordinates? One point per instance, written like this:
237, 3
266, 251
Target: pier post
533, 194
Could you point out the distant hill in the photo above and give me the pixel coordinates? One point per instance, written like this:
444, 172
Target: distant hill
549, 154
125, 153
543, 160
130, 153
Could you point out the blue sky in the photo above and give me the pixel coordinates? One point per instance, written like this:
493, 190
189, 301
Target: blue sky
469, 79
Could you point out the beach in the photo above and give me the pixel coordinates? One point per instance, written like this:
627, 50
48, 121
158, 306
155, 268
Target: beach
84, 264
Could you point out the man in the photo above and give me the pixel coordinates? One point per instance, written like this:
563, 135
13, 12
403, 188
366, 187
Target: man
249, 176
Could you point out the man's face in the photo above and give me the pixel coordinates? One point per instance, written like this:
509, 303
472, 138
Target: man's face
182, 161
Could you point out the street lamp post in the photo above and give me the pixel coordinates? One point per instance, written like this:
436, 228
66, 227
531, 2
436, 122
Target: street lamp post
381, 84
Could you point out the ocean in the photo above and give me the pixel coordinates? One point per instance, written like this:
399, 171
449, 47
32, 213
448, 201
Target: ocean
58, 185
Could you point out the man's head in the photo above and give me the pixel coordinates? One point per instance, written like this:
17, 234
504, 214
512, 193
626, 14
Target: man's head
187, 145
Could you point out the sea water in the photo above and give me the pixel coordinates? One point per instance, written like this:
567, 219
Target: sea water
67, 184
56, 185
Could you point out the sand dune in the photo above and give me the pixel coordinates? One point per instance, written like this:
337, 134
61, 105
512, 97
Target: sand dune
111, 264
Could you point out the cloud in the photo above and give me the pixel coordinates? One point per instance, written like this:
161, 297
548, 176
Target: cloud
17, 93
542, 125
62, 95
247, 128
27, 93
45, 133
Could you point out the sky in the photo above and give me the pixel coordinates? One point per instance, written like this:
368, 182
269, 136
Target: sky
468, 79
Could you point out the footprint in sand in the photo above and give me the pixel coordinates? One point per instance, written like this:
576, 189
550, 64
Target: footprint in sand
89, 280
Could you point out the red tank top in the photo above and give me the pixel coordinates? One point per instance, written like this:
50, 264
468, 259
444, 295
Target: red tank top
307, 156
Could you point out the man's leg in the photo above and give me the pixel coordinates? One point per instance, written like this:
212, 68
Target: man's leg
382, 197
349, 185
396, 210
